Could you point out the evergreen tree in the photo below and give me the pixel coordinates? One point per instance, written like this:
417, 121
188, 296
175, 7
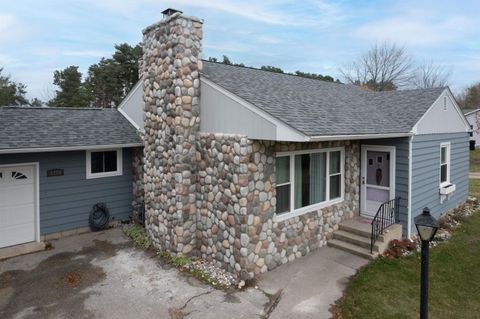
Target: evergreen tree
110, 80
11, 92
72, 91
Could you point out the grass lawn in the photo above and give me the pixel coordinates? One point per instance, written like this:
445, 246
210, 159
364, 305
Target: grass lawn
474, 187
475, 161
390, 288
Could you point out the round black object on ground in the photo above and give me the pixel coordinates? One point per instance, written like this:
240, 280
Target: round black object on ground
99, 217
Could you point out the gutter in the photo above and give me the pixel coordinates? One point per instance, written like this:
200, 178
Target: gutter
68, 148
356, 137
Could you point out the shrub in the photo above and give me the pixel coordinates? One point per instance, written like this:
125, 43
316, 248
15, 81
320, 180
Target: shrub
398, 248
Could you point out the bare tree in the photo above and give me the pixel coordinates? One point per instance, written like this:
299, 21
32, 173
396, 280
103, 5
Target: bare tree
428, 75
469, 97
384, 67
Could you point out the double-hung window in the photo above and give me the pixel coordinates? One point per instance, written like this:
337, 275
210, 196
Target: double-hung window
444, 164
308, 180
104, 163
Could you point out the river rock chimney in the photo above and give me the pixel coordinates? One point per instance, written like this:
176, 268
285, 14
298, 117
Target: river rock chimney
169, 70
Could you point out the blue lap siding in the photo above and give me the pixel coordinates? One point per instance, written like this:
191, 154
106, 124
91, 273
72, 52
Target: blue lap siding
66, 201
401, 173
426, 172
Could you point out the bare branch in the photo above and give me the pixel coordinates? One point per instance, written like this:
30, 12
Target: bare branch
429, 75
384, 67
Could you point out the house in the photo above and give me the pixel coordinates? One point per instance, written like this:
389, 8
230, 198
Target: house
56, 163
253, 169
473, 118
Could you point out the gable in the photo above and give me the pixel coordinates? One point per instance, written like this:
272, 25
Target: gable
444, 116
132, 106
222, 111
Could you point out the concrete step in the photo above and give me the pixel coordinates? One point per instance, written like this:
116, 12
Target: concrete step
355, 227
355, 239
351, 248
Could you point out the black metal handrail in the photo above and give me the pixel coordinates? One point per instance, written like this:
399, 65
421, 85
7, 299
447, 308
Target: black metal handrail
387, 215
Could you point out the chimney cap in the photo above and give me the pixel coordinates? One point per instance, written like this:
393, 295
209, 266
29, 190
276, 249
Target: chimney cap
169, 11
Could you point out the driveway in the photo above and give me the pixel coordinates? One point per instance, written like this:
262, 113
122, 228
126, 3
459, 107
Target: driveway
101, 275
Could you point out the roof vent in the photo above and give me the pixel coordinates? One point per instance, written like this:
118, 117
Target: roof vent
168, 12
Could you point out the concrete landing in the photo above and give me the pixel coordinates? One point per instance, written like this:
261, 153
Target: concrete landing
310, 285
12, 251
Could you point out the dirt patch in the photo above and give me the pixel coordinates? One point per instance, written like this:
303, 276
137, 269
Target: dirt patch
54, 288
5, 280
73, 279
175, 313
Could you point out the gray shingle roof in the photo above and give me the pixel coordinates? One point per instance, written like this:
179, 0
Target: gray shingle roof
318, 108
24, 127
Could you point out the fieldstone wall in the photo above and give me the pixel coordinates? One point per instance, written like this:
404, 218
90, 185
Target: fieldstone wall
236, 204
137, 182
222, 197
170, 72
270, 243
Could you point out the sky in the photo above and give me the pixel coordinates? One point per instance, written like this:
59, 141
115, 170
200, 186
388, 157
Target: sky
38, 37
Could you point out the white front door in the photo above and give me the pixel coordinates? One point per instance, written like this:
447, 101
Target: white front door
377, 178
17, 205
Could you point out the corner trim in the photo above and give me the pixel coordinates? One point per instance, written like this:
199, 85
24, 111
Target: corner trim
409, 204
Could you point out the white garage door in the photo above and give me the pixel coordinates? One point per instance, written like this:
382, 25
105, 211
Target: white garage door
17, 205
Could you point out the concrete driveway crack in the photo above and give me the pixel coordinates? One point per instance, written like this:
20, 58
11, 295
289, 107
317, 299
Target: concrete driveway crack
177, 313
273, 301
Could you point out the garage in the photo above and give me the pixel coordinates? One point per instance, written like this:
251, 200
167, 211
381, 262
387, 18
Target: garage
17, 204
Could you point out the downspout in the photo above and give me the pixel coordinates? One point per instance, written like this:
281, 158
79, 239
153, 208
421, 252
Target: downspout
409, 205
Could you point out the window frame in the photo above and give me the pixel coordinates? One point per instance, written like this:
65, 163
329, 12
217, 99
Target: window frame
118, 172
328, 202
446, 145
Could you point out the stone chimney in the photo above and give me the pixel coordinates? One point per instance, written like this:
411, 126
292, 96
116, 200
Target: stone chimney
170, 72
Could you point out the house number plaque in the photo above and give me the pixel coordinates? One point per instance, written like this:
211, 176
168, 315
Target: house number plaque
55, 172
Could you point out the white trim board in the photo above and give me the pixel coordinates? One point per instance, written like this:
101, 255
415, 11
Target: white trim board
471, 112
356, 137
68, 148
409, 195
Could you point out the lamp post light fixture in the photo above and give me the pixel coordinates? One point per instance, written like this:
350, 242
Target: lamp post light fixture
427, 226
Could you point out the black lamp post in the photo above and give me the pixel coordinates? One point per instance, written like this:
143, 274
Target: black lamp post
427, 226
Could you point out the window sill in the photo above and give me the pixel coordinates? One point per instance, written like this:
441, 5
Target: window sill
304, 210
101, 175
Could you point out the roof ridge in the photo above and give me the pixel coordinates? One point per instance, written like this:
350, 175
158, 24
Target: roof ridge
269, 71
411, 90
56, 108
